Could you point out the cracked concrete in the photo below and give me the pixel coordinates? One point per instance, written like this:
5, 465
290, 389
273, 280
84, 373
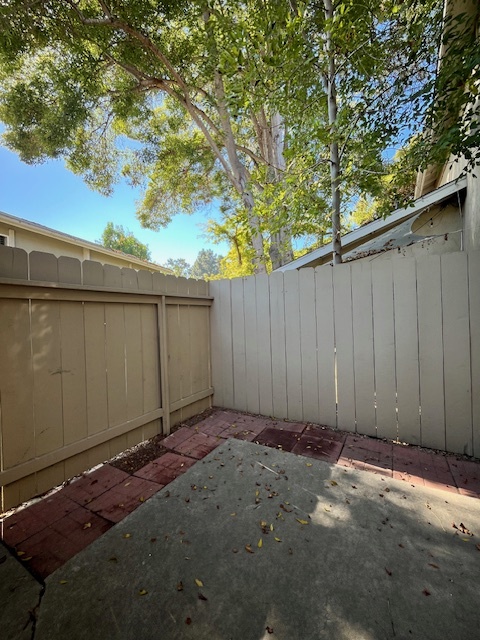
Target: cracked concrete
20, 597
253, 543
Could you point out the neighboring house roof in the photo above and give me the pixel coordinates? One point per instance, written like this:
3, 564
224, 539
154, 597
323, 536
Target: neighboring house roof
399, 223
40, 229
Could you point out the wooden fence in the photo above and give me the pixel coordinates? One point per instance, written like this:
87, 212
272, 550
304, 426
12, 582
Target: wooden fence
385, 348
94, 359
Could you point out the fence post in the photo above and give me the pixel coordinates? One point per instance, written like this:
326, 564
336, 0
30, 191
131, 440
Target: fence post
163, 348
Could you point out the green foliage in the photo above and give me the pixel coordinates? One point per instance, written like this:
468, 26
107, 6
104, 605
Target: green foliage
117, 238
206, 265
180, 98
179, 266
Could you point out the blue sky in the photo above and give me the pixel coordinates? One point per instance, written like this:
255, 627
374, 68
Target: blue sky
53, 196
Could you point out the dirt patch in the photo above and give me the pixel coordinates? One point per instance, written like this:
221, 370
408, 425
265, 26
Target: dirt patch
136, 457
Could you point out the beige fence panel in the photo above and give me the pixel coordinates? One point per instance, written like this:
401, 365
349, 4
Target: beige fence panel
342, 295
363, 346
456, 348
325, 327
406, 350
91, 365
385, 348
474, 300
430, 344
252, 383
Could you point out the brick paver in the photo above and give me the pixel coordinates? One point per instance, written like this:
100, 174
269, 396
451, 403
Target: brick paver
48, 532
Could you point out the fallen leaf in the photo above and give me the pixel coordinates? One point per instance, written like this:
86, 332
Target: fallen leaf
198, 582
249, 548
301, 521
142, 499
333, 483
26, 559
426, 592
271, 527
113, 559
142, 592
277, 539
153, 539
127, 535
87, 525
260, 543
202, 597
63, 581
20, 553
353, 486
188, 621
388, 571
308, 464
432, 564
326, 509
269, 629
180, 586
233, 514
285, 509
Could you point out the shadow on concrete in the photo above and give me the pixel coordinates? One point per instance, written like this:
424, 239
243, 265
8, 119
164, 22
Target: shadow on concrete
253, 543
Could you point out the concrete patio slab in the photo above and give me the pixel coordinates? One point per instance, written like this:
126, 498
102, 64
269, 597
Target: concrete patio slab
255, 543
19, 596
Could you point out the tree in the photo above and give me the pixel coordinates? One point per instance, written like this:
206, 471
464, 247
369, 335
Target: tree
206, 265
179, 266
117, 238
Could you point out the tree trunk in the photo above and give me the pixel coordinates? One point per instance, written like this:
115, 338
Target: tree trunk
334, 154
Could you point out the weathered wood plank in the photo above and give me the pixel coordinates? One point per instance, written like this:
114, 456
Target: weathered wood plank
251, 345
363, 347
327, 401
73, 376
279, 359
308, 344
430, 345
384, 339
456, 349
406, 350
474, 302
342, 292
262, 303
238, 346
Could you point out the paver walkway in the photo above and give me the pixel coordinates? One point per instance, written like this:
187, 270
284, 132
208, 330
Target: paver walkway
49, 532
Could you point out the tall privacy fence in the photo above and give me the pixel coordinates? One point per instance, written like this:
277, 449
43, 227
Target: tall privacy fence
94, 359
384, 348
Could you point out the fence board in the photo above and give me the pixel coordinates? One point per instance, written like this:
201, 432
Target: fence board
251, 345
406, 349
308, 344
150, 352
456, 346
384, 340
430, 345
327, 395
342, 292
363, 347
47, 376
16, 383
218, 344
184, 346
200, 347
292, 346
115, 360
238, 345
174, 353
279, 361
474, 300
96, 367
134, 361
262, 303
74, 389
224, 377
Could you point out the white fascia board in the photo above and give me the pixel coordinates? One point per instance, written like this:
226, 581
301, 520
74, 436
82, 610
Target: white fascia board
379, 226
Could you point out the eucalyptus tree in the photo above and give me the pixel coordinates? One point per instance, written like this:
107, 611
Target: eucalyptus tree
186, 81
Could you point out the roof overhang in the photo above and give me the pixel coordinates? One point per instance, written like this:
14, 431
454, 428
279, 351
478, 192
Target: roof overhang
377, 227
40, 229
